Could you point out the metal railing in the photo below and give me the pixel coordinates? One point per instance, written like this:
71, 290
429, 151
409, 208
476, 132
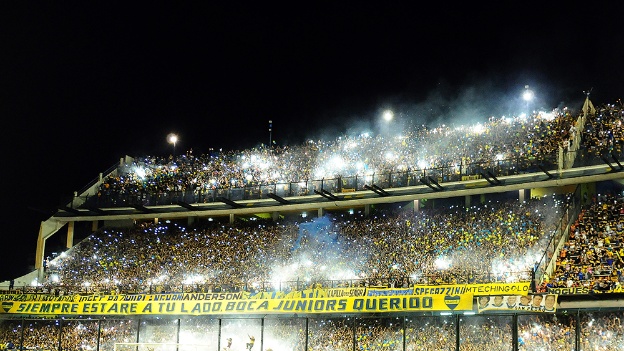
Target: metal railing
440, 278
340, 184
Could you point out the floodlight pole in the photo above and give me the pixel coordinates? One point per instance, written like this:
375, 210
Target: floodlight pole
270, 133
173, 139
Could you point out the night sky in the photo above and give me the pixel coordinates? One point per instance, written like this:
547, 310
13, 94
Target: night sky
82, 85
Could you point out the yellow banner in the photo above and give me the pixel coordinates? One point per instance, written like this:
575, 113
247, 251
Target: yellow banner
367, 304
474, 289
530, 302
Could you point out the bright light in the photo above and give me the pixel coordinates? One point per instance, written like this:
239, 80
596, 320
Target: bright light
172, 138
478, 128
388, 115
416, 276
528, 94
549, 116
350, 145
442, 263
282, 274
343, 275
140, 172
337, 162
192, 279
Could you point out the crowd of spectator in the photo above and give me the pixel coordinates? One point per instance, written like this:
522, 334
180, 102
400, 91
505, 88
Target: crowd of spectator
492, 241
71, 335
604, 133
601, 331
547, 332
593, 255
456, 148
396, 243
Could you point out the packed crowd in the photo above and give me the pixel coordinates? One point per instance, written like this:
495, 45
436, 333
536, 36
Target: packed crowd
493, 241
547, 332
593, 255
601, 331
458, 149
80, 335
604, 134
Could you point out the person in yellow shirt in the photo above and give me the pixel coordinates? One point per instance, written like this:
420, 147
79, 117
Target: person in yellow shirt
252, 341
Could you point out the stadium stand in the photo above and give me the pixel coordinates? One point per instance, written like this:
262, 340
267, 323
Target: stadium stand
506, 235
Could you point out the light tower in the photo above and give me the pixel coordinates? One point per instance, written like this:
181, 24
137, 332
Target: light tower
527, 95
172, 138
388, 115
270, 133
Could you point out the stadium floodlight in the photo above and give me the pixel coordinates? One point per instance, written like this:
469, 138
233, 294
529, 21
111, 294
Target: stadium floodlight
527, 95
172, 138
388, 115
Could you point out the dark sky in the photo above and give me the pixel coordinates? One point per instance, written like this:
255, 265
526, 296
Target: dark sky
82, 85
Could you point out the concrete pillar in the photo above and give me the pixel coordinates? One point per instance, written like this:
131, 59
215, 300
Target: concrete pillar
190, 220
231, 218
366, 210
40, 249
275, 216
70, 235
467, 200
521, 195
321, 212
94, 226
416, 205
